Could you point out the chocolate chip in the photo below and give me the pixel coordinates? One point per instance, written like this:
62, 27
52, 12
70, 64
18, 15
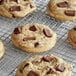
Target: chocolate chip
50, 71
60, 68
13, 15
70, 12
63, 4
29, 38
1, 1
14, 0
32, 73
47, 33
25, 0
47, 58
18, 30
38, 61
74, 28
32, 28
31, 6
21, 70
36, 44
14, 8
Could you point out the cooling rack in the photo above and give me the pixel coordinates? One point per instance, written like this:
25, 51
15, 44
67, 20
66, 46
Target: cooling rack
14, 56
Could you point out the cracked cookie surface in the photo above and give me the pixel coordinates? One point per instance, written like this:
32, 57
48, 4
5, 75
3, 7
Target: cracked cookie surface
48, 65
34, 37
16, 8
62, 9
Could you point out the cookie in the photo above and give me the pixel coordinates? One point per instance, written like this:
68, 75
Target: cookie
34, 37
16, 8
48, 65
72, 36
2, 49
62, 9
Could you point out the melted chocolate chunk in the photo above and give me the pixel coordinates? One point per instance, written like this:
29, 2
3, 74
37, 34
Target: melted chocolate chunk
14, 8
74, 28
70, 12
1, 1
13, 15
63, 4
60, 68
21, 70
29, 38
18, 30
36, 44
14, 0
32, 73
50, 71
47, 33
32, 28
47, 58
31, 6
26, 0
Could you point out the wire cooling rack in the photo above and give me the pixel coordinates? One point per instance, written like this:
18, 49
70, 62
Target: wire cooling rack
14, 56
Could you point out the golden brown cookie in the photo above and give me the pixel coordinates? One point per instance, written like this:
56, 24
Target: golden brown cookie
48, 65
2, 49
34, 37
16, 8
72, 36
63, 10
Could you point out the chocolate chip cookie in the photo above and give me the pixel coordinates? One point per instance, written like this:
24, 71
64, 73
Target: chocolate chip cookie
72, 36
16, 8
62, 9
34, 37
48, 65
2, 49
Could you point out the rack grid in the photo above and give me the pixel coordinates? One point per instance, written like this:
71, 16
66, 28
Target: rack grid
14, 55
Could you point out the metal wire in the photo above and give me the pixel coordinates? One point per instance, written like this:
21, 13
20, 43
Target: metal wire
14, 56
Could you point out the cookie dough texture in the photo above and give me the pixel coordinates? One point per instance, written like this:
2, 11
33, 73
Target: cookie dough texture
2, 49
34, 37
62, 9
16, 8
48, 65
72, 36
